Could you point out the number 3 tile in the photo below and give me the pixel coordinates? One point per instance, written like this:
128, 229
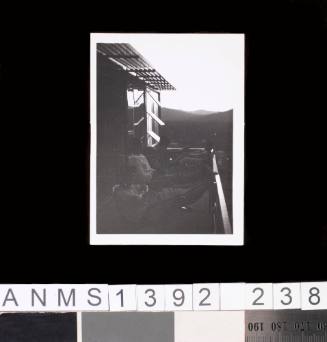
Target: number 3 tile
150, 297
287, 296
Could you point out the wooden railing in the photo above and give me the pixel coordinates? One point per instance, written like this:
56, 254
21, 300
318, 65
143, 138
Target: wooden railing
218, 206
217, 201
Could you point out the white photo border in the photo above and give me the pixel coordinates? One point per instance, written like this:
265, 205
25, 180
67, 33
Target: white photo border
237, 238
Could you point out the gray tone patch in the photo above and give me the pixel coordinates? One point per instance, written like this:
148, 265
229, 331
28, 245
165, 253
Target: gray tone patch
128, 327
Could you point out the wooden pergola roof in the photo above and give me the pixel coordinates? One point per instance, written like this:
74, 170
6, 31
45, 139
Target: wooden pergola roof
125, 56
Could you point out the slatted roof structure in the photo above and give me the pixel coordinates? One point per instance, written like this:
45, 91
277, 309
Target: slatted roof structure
130, 60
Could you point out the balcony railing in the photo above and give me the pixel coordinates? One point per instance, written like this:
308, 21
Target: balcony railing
218, 206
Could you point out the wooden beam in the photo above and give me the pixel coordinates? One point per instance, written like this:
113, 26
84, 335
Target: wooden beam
157, 101
221, 196
117, 63
154, 136
156, 118
139, 70
123, 56
137, 123
214, 165
223, 206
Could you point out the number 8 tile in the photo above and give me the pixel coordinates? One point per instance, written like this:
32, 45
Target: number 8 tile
314, 295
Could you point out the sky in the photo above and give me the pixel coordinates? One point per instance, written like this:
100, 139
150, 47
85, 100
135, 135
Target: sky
206, 69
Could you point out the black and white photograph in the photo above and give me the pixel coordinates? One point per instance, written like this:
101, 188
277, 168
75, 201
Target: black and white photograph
167, 139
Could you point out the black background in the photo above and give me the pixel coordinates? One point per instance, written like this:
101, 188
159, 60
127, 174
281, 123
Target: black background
45, 146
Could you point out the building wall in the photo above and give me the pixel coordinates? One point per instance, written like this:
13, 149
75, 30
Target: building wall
111, 126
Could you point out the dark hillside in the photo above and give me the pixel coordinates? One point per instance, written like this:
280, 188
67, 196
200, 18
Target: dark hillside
191, 128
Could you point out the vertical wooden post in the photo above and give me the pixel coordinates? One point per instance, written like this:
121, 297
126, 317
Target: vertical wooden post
159, 106
125, 120
145, 118
159, 112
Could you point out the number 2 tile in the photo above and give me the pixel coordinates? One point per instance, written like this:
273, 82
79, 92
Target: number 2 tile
206, 297
259, 296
